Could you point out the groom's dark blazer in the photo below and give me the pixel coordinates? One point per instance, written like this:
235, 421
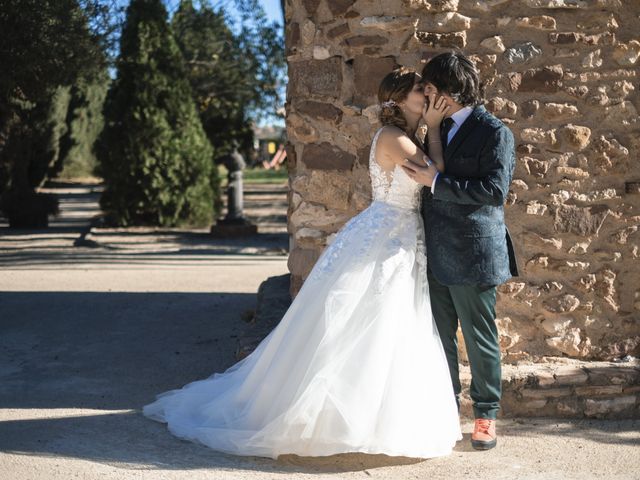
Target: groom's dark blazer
467, 240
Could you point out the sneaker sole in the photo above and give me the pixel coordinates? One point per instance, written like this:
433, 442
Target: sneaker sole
480, 445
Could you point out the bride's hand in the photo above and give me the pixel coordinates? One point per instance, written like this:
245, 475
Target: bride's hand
434, 110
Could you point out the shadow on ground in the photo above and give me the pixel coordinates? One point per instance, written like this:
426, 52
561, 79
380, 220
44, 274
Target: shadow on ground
77, 386
111, 351
75, 372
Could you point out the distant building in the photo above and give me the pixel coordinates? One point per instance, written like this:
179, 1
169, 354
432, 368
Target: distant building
268, 140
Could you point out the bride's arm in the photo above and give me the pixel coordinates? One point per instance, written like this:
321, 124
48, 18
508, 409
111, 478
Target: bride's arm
397, 148
432, 116
434, 147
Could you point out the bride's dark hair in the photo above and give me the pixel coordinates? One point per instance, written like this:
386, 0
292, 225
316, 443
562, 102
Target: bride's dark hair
395, 88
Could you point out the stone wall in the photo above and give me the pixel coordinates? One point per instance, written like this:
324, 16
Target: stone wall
559, 387
563, 75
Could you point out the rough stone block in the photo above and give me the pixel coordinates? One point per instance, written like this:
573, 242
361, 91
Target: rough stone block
325, 111
600, 408
301, 261
598, 390
544, 393
546, 79
583, 221
494, 44
340, 7
338, 31
448, 22
387, 23
315, 77
539, 22
571, 376
627, 54
560, 111
443, 40
326, 156
368, 73
359, 41
556, 4
522, 53
310, 6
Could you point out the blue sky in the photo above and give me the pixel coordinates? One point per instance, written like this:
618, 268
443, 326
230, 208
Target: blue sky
273, 10
271, 7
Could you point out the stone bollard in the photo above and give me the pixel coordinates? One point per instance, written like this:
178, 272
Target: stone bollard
233, 224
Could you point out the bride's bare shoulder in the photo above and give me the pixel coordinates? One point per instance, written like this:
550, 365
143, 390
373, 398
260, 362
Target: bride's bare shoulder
391, 133
390, 137
396, 147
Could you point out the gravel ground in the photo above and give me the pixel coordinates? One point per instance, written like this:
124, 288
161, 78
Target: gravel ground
90, 335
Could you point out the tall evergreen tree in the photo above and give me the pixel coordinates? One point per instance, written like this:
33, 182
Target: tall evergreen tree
82, 125
44, 45
154, 155
216, 71
234, 75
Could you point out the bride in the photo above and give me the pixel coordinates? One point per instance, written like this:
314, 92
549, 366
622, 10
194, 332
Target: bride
356, 363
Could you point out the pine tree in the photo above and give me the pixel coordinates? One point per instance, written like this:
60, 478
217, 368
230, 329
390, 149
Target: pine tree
45, 45
83, 123
218, 73
154, 155
235, 76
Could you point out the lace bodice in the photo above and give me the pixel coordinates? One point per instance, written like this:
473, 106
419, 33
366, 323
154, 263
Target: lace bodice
395, 187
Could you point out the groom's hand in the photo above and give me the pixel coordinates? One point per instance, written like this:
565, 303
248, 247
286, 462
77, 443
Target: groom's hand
423, 175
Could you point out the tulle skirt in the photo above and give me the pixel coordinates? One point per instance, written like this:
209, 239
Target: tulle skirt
355, 365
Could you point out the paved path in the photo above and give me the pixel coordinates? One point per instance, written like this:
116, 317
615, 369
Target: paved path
89, 334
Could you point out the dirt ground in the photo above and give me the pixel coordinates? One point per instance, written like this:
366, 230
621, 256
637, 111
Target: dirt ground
90, 333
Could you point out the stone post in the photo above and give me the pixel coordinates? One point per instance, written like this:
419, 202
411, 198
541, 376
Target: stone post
234, 223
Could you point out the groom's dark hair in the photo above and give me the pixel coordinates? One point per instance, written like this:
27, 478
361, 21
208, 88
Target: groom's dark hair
457, 76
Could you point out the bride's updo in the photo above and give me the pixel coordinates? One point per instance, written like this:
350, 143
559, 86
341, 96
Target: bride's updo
395, 88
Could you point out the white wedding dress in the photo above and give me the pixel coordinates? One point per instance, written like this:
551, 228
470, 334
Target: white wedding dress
356, 363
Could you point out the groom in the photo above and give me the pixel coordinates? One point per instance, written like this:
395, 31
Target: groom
469, 250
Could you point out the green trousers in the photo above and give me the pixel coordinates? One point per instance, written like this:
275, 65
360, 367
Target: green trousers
474, 308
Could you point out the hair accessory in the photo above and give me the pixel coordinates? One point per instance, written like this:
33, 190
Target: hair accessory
388, 103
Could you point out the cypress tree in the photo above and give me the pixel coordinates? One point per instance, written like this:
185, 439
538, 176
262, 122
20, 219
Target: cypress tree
154, 155
44, 45
83, 123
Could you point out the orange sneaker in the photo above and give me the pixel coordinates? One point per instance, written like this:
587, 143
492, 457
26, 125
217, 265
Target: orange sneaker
484, 434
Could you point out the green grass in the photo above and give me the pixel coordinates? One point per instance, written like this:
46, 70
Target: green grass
259, 175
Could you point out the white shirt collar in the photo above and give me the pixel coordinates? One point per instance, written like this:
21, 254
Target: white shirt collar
461, 115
